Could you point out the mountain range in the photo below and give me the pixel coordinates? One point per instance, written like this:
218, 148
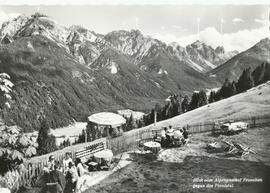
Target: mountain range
251, 58
65, 74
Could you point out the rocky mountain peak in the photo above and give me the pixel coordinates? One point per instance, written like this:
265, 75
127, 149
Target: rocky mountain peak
198, 45
11, 27
220, 50
264, 43
86, 46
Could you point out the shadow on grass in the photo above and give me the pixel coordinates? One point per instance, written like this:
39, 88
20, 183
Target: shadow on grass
146, 174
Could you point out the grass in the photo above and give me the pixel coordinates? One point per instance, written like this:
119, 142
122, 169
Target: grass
254, 102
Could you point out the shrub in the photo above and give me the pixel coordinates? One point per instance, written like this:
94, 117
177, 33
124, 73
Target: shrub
15, 147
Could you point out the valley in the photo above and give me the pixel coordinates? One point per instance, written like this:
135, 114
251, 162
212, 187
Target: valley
66, 74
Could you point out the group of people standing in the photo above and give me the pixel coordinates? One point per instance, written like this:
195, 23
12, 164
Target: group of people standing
170, 135
62, 179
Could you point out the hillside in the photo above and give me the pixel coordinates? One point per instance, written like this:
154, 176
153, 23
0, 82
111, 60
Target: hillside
252, 57
255, 101
66, 74
49, 82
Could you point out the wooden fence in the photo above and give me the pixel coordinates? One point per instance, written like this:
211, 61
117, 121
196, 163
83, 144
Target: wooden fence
35, 165
254, 122
126, 142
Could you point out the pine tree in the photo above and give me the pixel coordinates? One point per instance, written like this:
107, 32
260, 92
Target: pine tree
185, 104
131, 123
202, 98
46, 142
212, 97
140, 123
245, 81
266, 76
194, 101
225, 90
258, 74
233, 90
217, 96
175, 106
152, 116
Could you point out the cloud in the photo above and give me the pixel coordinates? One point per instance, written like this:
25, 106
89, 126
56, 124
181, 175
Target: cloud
240, 40
7, 16
261, 21
237, 20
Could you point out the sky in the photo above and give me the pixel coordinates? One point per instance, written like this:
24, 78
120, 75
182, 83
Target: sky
236, 27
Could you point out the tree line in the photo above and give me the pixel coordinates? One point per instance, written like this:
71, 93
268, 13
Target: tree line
247, 80
179, 104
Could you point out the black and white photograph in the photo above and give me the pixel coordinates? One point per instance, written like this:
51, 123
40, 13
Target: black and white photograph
125, 96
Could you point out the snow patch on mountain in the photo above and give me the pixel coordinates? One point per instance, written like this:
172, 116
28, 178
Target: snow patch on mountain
114, 69
195, 66
30, 46
210, 64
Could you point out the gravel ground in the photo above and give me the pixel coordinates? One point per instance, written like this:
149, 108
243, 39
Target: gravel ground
175, 169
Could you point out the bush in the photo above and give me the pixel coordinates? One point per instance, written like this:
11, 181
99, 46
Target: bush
15, 147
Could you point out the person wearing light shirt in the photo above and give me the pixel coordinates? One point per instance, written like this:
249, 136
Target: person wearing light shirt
170, 130
66, 162
163, 133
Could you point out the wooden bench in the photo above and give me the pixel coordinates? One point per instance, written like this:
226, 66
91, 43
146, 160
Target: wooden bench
156, 132
90, 149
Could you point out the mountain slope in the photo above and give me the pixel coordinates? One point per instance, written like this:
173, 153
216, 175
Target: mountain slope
51, 83
197, 55
207, 57
65, 74
253, 102
252, 57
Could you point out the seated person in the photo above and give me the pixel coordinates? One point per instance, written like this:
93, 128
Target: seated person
185, 135
104, 165
92, 164
79, 166
66, 162
170, 130
156, 137
169, 136
163, 133
50, 165
71, 178
57, 177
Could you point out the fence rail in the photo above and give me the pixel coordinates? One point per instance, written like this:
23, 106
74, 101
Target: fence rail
126, 142
253, 122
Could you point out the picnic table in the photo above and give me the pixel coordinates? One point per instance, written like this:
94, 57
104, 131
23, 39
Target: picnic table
106, 155
154, 147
